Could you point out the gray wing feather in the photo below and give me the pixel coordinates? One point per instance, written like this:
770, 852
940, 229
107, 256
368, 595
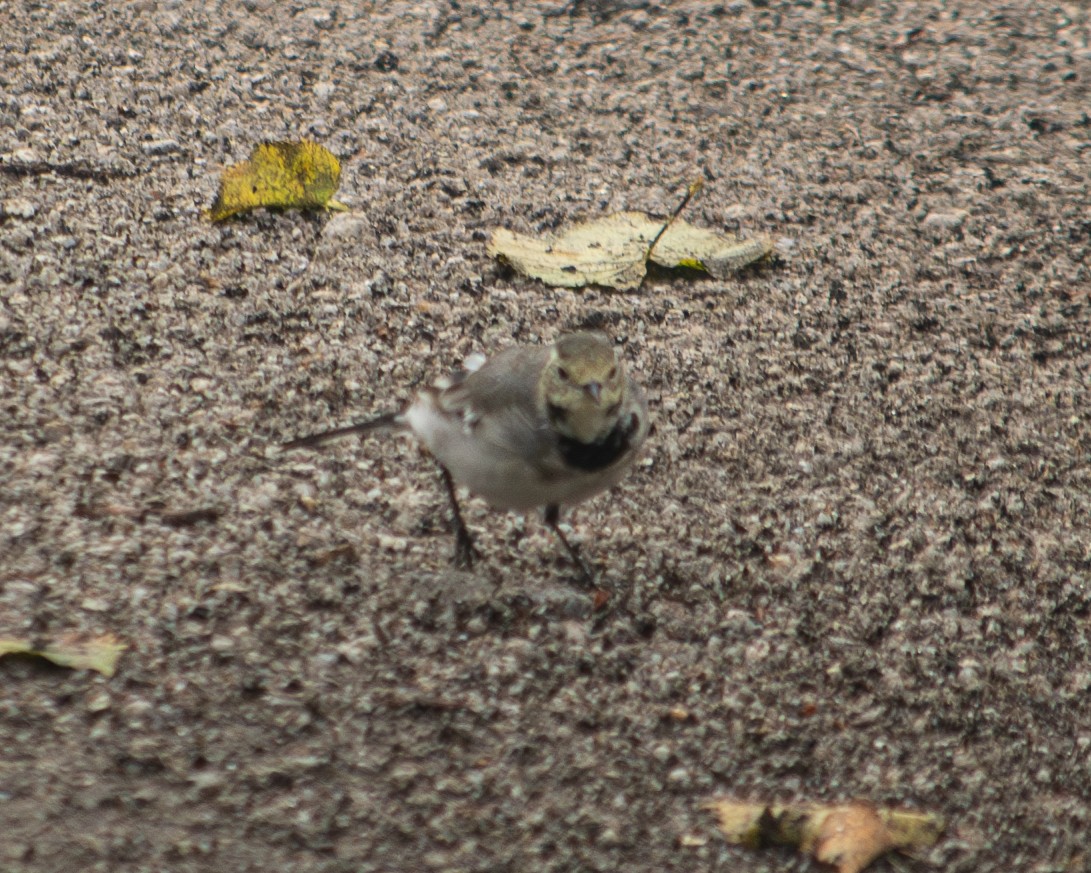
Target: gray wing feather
499, 401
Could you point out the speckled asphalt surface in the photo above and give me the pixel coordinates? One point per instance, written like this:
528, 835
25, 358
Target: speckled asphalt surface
853, 562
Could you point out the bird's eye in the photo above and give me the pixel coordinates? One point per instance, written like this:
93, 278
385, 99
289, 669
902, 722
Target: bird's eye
563, 373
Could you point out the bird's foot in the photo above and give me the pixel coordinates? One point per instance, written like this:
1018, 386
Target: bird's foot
466, 553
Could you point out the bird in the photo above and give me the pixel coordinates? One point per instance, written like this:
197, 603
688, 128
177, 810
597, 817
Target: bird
533, 426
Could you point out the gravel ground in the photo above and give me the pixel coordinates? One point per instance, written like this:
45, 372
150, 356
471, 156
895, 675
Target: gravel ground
855, 553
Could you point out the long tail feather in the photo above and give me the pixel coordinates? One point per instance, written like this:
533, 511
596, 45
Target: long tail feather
392, 420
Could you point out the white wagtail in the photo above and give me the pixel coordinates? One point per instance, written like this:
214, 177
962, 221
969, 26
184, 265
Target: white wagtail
532, 426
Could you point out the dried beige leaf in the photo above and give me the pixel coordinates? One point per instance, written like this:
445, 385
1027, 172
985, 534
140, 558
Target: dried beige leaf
740, 821
613, 251
912, 830
71, 650
848, 836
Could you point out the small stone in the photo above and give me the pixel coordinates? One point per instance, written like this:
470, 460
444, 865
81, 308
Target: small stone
345, 225
969, 674
206, 780
15, 851
392, 543
378, 286
17, 207
319, 17
386, 62
609, 837
160, 147
945, 220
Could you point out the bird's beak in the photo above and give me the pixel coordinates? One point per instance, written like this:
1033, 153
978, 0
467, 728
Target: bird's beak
594, 389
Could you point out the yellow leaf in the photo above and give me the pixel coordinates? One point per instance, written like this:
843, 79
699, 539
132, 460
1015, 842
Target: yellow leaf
613, 251
71, 650
303, 175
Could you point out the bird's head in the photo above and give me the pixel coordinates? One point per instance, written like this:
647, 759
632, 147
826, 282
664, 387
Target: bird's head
583, 386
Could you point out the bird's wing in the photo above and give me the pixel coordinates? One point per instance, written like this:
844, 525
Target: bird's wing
499, 403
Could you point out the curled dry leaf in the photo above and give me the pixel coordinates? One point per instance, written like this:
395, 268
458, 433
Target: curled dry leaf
71, 650
302, 175
848, 836
613, 251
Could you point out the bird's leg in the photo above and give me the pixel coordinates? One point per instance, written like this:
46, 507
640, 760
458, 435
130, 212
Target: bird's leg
552, 518
465, 551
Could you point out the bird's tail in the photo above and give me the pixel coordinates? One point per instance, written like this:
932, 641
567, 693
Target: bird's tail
389, 421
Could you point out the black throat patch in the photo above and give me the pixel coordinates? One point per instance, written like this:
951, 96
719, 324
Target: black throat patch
592, 457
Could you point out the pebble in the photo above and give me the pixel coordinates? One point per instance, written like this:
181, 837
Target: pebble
160, 147
17, 207
320, 17
346, 226
945, 220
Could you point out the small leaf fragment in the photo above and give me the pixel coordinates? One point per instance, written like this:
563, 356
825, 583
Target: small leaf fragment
71, 650
612, 251
301, 175
910, 829
848, 836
